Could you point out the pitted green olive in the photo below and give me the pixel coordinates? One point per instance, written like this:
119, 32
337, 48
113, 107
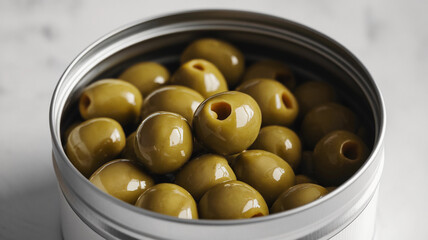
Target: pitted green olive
169, 199
229, 60
202, 76
146, 76
324, 119
164, 142
111, 98
232, 200
277, 103
313, 93
337, 156
281, 141
178, 99
269, 174
271, 69
122, 179
204, 172
297, 196
93, 143
227, 123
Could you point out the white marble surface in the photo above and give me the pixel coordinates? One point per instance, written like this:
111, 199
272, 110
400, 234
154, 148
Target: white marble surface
38, 39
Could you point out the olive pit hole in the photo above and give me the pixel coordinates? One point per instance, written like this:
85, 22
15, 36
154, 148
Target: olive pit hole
85, 101
287, 101
350, 150
257, 215
222, 109
199, 67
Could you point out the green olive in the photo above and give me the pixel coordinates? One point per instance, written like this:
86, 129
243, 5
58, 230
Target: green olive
204, 172
273, 70
277, 103
129, 150
229, 60
303, 179
232, 200
326, 118
164, 142
297, 196
111, 98
313, 93
281, 141
146, 76
337, 156
227, 123
169, 199
122, 179
200, 75
177, 99
264, 171
93, 143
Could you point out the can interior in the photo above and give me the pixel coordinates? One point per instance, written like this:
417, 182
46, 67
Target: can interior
166, 49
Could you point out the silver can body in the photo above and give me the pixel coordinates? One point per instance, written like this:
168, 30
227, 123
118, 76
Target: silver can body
347, 213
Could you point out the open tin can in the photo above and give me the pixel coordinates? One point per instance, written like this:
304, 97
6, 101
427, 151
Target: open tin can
349, 212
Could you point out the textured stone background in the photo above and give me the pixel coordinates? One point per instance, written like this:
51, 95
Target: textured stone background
39, 38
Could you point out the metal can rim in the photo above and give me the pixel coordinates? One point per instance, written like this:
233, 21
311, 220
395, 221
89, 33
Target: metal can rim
377, 146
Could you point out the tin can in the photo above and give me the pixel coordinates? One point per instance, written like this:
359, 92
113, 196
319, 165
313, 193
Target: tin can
349, 212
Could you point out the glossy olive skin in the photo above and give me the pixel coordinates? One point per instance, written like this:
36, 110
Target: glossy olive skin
178, 99
229, 60
313, 93
281, 141
227, 123
129, 150
93, 143
337, 156
146, 76
122, 179
277, 103
200, 75
111, 98
203, 173
299, 179
269, 174
271, 69
326, 118
169, 199
164, 142
232, 200
297, 196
